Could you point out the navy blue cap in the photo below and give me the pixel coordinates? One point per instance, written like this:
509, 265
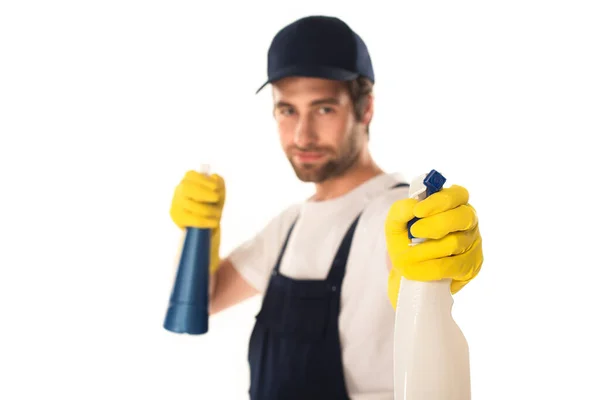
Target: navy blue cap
319, 47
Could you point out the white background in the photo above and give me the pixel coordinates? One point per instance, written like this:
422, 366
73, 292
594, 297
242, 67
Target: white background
104, 105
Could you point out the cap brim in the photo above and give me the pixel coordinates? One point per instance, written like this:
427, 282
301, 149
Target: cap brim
333, 73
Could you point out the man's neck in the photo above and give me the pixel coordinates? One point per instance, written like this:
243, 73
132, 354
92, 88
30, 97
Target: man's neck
363, 170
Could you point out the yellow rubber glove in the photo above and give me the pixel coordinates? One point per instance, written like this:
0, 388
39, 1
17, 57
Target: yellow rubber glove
198, 202
453, 250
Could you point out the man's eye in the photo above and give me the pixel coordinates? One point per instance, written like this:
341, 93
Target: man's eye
287, 111
325, 110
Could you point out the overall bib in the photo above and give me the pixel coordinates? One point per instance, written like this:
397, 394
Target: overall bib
295, 351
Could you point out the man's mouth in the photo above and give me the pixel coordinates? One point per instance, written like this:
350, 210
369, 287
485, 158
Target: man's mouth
308, 156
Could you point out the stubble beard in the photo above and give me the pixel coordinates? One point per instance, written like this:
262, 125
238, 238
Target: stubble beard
345, 158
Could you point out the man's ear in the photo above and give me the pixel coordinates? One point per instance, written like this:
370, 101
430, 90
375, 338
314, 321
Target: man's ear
369, 110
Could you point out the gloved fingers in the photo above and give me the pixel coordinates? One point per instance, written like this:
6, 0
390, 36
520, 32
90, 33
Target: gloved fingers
396, 230
212, 182
450, 245
198, 192
204, 210
459, 267
464, 268
221, 189
399, 214
444, 200
436, 226
473, 266
218, 179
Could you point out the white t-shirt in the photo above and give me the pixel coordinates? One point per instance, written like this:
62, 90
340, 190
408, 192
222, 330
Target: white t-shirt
366, 320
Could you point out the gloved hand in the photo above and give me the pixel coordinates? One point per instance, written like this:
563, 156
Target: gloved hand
198, 202
453, 249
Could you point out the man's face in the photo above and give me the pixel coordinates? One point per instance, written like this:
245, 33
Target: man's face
317, 127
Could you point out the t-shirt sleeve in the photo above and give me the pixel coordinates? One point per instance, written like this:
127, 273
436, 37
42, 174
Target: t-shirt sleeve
255, 258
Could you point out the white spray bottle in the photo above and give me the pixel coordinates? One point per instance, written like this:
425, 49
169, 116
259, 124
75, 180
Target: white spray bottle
431, 355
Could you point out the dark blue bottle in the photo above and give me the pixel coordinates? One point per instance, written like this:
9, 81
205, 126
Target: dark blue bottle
188, 306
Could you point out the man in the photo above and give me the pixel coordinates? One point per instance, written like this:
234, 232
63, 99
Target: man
325, 329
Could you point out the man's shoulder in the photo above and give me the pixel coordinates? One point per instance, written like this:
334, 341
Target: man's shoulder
288, 213
384, 200
376, 210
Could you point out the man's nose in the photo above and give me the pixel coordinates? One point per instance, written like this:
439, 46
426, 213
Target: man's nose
305, 135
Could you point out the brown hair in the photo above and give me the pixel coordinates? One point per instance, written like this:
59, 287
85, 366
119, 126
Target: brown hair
360, 89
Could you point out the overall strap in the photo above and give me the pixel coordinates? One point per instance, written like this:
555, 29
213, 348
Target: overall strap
338, 267
284, 246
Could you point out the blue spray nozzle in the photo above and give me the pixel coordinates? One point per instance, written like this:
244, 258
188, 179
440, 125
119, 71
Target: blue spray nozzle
433, 183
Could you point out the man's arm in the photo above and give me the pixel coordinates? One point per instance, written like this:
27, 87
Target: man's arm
228, 288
